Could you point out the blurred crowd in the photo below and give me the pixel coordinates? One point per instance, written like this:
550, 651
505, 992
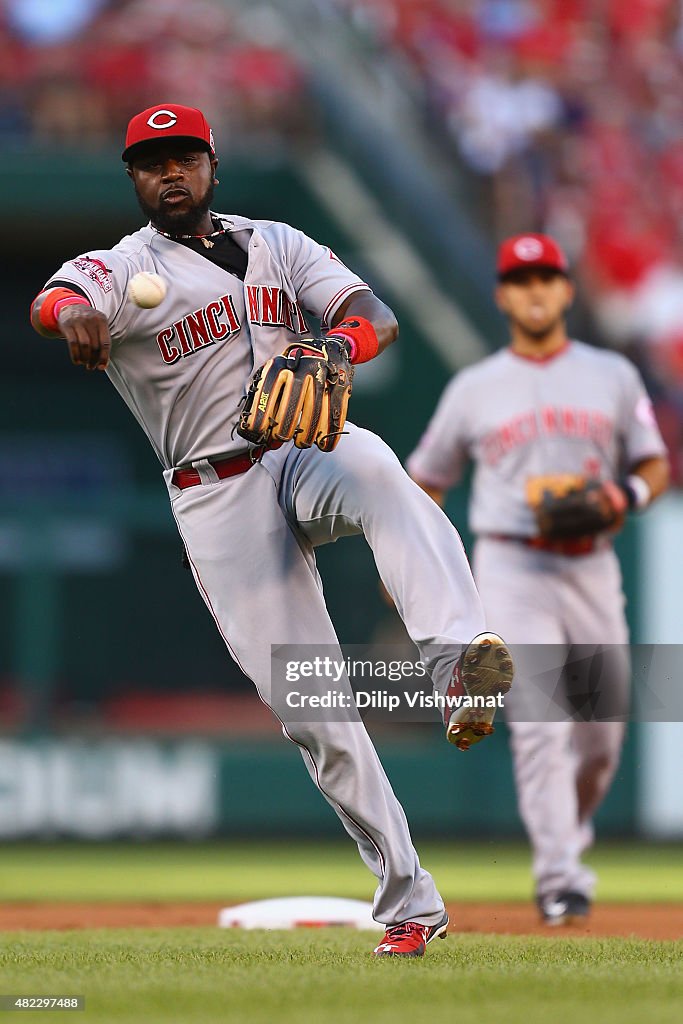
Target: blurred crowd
569, 113
74, 71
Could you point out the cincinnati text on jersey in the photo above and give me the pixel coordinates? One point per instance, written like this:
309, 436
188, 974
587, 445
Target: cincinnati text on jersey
197, 330
548, 421
219, 320
271, 307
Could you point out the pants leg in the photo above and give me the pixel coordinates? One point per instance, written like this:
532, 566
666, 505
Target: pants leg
361, 487
257, 576
595, 612
548, 805
523, 601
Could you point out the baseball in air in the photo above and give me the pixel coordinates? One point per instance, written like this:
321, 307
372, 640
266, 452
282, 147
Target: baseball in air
146, 290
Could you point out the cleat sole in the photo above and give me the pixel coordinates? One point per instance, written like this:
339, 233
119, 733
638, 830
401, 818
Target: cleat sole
490, 672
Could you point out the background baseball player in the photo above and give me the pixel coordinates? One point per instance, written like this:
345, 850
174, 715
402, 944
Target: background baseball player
563, 441
250, 517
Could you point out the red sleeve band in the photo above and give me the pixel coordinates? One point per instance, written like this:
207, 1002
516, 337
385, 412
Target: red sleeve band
360, 335
53, 303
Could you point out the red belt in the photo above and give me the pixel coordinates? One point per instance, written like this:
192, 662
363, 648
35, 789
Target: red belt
569, 546
232, 465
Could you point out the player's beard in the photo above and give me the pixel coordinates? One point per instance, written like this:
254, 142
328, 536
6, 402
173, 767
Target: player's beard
178, 223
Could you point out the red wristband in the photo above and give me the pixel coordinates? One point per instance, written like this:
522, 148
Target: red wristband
360, 335
54, 302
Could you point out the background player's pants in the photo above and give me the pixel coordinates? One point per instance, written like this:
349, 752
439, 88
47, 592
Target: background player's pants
563, 769
250, 541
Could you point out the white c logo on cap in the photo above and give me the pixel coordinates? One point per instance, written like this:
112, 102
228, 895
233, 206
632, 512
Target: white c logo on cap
172, 118
528, 249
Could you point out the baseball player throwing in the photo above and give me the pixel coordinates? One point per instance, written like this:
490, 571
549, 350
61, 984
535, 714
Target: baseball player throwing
246, 413
564, 442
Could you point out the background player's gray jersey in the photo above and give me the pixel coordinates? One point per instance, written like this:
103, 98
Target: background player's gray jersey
584, 410
183, 367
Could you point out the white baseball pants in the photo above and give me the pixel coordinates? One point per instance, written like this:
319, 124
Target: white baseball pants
542, 602
250, 540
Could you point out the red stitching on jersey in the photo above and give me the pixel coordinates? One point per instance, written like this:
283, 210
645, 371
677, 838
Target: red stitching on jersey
335, 301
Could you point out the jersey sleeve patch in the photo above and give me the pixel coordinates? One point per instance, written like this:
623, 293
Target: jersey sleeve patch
96, 271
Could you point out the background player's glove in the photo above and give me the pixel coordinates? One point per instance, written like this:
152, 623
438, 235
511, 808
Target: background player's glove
301, 395
571, 506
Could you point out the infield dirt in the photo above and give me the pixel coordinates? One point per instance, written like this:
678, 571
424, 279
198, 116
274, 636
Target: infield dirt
639, 920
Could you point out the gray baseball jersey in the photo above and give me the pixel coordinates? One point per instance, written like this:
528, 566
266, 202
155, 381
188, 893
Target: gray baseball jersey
182, 367
582, 411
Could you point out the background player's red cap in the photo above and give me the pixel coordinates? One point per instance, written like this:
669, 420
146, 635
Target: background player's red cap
166, 121
524, 251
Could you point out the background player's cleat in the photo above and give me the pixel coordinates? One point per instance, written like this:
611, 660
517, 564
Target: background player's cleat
410, 938
563, 908
484, 669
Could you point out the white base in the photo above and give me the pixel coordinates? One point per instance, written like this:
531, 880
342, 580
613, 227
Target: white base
300, 912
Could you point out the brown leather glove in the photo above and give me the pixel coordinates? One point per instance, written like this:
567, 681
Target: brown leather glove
301, 395
568, 506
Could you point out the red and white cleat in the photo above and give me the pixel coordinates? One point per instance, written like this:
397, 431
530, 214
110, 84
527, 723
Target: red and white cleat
484, 670
410, 938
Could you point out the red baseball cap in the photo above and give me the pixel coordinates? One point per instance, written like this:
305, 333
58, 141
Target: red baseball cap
168, 121
524, 251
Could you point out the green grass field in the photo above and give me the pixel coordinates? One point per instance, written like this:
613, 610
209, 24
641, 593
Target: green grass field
305, 977
201, 975
254, 870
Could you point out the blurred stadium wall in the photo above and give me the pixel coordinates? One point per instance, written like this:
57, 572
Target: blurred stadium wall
120, 711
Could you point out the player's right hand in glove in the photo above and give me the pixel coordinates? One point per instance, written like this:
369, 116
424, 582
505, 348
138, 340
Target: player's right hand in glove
301, 395
568, 506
